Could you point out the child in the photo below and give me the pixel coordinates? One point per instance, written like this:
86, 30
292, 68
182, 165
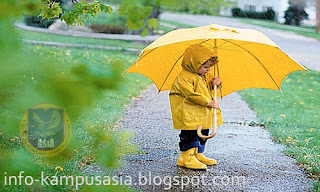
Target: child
192, 105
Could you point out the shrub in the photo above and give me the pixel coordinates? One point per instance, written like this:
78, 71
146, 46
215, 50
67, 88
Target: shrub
294, 15
106, 28
236, 12
37, 21
269, 15
208, 7
112, 18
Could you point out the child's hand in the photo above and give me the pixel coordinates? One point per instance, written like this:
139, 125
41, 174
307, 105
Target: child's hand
213, 104
216, 81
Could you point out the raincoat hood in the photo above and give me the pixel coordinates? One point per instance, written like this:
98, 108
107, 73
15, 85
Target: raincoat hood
195, 56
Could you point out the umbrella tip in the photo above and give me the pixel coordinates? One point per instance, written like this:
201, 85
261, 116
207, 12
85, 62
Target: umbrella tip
141, 52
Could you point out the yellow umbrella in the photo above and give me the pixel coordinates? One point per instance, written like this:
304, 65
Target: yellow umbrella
247, 58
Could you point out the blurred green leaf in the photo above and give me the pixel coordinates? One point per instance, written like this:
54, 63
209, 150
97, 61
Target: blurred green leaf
50, 10
83, 10
105, 8
144, 32
152, 23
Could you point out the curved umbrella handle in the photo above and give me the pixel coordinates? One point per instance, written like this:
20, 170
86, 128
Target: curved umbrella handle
214, 127
214, 131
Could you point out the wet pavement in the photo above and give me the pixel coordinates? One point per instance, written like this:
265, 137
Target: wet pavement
248, 160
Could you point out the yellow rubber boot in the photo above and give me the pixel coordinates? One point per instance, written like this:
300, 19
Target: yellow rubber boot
205, 160
187, 159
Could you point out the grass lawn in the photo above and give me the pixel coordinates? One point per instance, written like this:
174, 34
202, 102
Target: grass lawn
105, 112
37, 36
305, 31
293, 118
47, 37
179, 25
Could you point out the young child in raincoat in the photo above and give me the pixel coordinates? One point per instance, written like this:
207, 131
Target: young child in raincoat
191, 100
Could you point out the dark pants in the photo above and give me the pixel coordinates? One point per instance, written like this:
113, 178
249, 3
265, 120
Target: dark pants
190, 139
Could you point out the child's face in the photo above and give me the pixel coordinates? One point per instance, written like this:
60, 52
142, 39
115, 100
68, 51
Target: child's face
205, 68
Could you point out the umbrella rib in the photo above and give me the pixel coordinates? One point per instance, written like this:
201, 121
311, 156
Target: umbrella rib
170, 72
255, 59
184, 43
175, 65
141, 58
147, 54
228, 46
222, 44
231, 50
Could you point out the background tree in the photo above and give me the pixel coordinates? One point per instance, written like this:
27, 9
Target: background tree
318, 16
142, 15
294, 15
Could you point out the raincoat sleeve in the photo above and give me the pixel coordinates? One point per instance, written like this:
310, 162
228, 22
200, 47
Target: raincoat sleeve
187, 89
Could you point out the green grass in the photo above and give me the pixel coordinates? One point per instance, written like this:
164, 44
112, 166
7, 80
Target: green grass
166, 29
179, 25
293, 117
105, 112
305, 31
37, 36
46, 37
109, 18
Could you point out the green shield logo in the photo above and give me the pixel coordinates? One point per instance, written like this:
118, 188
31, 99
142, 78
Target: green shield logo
45, 129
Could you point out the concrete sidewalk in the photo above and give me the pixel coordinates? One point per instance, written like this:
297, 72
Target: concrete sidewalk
148, 38
241, 150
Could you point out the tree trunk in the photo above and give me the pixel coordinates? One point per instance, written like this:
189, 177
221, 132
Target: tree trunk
318, 17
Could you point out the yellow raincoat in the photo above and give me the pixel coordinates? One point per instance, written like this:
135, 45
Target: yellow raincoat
190, 93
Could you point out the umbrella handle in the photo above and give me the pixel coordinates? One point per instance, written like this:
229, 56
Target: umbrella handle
214, 132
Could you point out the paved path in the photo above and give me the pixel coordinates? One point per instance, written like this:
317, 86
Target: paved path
63, 45
149, 38
303, 49
242, 151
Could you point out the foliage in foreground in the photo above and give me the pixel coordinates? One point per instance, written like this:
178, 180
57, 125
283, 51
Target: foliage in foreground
68, 80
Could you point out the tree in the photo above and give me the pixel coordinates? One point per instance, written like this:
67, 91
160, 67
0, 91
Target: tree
316, 5
142, 15
294, 15
318, 16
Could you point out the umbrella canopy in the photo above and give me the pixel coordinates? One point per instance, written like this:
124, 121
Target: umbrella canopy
247, 58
